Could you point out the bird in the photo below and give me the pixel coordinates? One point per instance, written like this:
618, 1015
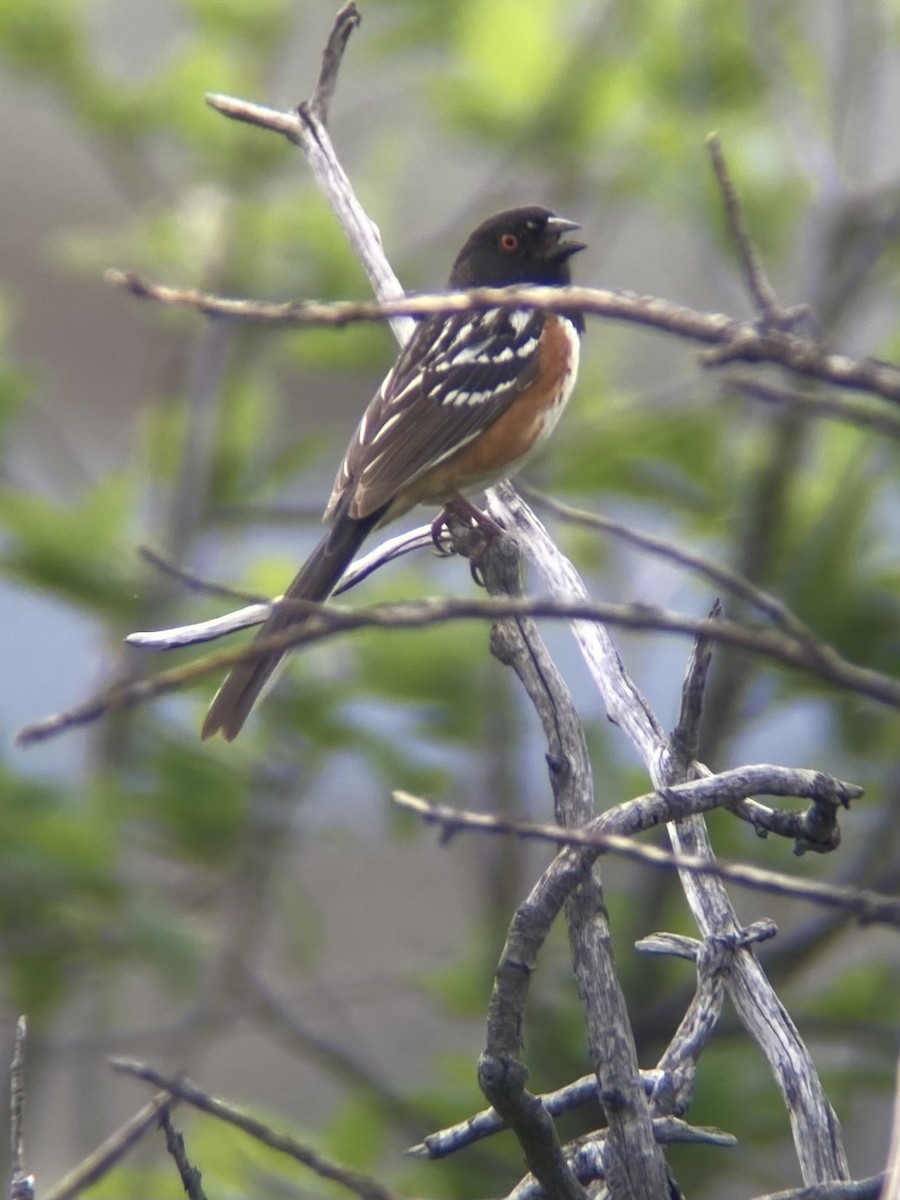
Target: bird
469, 399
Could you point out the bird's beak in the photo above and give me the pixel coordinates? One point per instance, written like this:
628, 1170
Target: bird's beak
560, 225
555, 247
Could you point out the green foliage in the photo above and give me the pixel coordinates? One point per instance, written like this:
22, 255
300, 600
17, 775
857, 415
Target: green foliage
735, 1092
77, 551
856, 995
502, 76
194, 803
660, 454
59, 892
47, 40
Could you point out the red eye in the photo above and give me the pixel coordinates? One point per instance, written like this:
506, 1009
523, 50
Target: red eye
509, 242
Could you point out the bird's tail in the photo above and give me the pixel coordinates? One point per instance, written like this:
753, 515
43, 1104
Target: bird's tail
315, 581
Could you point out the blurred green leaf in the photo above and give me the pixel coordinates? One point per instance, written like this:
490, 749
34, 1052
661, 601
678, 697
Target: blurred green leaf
195, 803
45, 39
80, 551
264, 23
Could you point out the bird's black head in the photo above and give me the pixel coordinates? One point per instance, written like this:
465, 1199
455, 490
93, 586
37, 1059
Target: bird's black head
520, 245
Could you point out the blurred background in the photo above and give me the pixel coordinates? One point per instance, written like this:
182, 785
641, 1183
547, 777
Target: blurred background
256, 914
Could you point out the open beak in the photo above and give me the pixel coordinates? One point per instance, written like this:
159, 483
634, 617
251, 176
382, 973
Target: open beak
555, 247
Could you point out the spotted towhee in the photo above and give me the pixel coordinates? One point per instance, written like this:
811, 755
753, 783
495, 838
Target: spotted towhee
470, 398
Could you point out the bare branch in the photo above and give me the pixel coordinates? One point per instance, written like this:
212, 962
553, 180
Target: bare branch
677, 1068
587, 1154
487, 1122
735, 341
502, 1078
200, 632
816, 1131
355, 1182
306, 129
566, 1099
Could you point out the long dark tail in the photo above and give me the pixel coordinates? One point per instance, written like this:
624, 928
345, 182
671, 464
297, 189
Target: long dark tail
315, 581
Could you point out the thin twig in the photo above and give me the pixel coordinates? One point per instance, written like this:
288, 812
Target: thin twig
862, 414
685, 737
722, 576
195, 582
754, 273
191, 1178
355, 1182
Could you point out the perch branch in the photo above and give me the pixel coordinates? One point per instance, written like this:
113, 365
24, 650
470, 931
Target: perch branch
816, 1131
330, 620
258, 610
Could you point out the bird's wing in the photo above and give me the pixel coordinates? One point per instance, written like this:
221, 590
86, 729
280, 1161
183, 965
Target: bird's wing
454, 378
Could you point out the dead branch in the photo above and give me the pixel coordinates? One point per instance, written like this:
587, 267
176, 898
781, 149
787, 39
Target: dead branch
604, 836
734, 341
